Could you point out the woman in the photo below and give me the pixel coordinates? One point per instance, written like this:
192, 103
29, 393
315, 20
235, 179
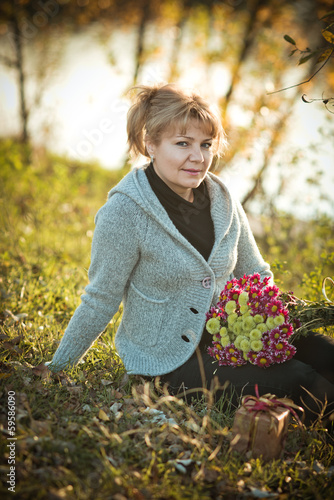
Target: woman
165, 243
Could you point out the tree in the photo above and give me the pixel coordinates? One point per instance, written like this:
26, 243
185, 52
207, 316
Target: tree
25, 24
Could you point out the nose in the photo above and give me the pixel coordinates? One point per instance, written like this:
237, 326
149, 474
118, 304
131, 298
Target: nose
196, 154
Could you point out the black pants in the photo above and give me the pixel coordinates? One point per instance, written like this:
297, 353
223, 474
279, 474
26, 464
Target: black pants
312, 368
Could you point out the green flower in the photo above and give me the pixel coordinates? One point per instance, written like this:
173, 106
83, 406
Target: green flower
237, 328
244, 309
232, 318
262, 327
255, 334
249, 323
230, 306
279, 320
245, 345
223, 331
225, 341
213, 325
258, 318
243, 299
270, 323
256, 345
238, 340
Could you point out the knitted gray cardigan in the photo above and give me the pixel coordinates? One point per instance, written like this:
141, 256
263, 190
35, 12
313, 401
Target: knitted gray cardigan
140, 258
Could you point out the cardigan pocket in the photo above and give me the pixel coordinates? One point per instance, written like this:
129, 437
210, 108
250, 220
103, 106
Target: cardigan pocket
145, 315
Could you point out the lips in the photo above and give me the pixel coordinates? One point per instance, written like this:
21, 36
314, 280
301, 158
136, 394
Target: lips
192, 171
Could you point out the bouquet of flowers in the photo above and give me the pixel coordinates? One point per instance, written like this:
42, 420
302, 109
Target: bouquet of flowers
250, 323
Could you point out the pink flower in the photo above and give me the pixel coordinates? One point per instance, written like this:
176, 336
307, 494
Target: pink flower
216, 351
282, 355
234, 356
279, 357
242, 282
223, 361
275, 335
266, 340
254, 294
254, 278
285, 330
274, 308
263, 359
252, 355
234, 294
270, 292
290, 351
214, 312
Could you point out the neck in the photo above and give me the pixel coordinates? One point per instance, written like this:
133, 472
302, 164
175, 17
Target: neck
187, 195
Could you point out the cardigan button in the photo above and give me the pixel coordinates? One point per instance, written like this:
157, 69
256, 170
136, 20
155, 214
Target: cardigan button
206, 282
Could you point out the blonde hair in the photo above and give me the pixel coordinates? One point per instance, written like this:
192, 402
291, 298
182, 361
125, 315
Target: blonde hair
159, 107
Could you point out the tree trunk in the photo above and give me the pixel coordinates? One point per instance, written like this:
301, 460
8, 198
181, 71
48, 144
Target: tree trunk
248, 39
140, 40
173, 73
277, 132
24, 114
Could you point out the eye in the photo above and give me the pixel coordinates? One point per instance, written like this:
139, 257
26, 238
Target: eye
182, 143
206, 145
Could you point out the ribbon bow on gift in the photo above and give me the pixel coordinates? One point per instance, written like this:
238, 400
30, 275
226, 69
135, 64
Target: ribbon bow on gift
269, 402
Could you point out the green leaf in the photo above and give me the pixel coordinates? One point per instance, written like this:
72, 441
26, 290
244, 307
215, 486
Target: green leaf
328, 36
303, 60
289, 39
292, 52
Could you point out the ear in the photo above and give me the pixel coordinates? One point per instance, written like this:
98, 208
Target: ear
150, 146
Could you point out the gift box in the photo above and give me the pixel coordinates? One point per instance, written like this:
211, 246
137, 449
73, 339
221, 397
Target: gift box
257, 433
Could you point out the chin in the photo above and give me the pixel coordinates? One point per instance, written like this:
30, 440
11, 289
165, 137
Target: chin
196, 182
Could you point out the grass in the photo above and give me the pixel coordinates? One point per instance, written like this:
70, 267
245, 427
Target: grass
93, 432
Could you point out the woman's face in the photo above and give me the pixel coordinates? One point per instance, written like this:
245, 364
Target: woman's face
182, 160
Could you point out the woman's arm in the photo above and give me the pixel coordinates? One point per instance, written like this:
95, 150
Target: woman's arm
115, 251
